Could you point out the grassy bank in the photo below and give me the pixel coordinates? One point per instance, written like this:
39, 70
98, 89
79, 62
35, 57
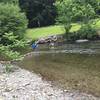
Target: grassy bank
44, 31
36, 33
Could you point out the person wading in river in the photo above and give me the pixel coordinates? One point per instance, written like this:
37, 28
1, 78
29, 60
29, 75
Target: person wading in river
35, 45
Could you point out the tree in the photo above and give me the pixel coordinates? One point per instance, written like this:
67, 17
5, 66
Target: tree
11, 20
70, 11
65, 13
94, 3
39, 12
9, 1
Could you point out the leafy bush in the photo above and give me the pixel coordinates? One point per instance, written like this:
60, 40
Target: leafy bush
87, 32
39, 12
82, 11
11, 20
13, 24
11, 39
6, 51
9, 1
13, 46
71, 36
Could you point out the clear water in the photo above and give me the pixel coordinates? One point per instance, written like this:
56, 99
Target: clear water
68, 66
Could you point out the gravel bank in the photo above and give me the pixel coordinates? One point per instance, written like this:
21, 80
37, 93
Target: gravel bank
24, 85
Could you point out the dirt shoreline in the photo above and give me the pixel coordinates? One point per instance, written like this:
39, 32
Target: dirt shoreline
21, 84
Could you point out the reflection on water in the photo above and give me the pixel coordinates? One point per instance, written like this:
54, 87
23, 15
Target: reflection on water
70, 71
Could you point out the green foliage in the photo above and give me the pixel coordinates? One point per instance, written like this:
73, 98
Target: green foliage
39, 12
87, 32
8, 68
72, 10
11, 20
13, 41
95, 4
9, 1
6, 51
12, 44
13, 24
82, 11
65, 14
9, 38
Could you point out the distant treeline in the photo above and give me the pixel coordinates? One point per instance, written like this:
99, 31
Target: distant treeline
39, 12
44, 12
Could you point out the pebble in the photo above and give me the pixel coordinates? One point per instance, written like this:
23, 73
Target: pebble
24, 85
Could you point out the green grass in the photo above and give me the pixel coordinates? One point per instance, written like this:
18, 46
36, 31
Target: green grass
97, 25
36, 33
75, 27
44, 31
47, 31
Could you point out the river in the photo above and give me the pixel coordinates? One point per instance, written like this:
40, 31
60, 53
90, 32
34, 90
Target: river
72, 66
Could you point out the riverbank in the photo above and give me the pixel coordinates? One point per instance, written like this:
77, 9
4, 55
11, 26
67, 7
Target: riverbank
55, 30
21, 84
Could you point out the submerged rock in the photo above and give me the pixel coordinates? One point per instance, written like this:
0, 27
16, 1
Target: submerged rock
82, 41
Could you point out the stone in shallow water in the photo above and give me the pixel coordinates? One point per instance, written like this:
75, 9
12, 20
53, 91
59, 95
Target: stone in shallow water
82, 41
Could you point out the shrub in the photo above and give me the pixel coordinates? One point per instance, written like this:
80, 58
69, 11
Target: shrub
13, 46
11, 20
6, 51
82, 11
10, 1
87, 32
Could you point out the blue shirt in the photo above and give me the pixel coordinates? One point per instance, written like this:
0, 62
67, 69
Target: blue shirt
34, 45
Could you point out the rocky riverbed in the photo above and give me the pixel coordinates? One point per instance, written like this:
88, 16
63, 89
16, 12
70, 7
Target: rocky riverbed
20, 84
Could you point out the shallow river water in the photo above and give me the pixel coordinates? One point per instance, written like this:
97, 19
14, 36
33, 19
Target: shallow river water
70, 66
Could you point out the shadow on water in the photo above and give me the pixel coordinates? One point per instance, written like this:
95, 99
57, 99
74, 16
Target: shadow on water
68, 70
